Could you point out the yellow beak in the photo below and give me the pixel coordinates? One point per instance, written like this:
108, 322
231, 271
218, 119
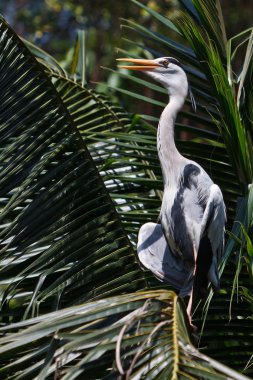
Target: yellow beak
139, 64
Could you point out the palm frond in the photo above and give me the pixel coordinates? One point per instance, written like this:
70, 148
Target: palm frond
133, 336
229, 121
211, 17
61, 239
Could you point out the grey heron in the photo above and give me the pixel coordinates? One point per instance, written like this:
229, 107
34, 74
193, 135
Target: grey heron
184, 249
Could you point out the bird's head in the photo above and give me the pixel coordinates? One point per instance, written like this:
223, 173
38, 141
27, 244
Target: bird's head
166, 70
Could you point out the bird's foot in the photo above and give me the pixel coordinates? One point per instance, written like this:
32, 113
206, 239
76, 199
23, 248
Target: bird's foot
193, 328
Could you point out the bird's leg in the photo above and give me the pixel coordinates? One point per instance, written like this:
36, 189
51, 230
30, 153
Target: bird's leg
189, 306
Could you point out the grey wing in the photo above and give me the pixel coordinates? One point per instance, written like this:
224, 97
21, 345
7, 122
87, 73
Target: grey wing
213, 226
181, 213
155, 255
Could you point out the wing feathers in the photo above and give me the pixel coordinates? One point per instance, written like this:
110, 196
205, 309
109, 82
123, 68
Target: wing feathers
155, 255
212, 225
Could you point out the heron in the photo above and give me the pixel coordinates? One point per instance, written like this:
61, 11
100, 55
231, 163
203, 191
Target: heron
186, 245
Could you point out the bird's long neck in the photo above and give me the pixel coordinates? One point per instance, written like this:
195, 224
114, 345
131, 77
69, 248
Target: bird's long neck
167, 151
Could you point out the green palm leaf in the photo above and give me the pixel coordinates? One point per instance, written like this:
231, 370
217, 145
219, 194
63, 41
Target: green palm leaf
61, 238
140, 335
229, 122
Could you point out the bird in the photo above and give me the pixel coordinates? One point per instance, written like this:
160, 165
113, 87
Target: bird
186, 245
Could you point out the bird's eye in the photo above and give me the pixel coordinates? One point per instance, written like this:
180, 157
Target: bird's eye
165, 62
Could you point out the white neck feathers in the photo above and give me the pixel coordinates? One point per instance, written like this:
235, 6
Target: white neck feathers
168, 154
